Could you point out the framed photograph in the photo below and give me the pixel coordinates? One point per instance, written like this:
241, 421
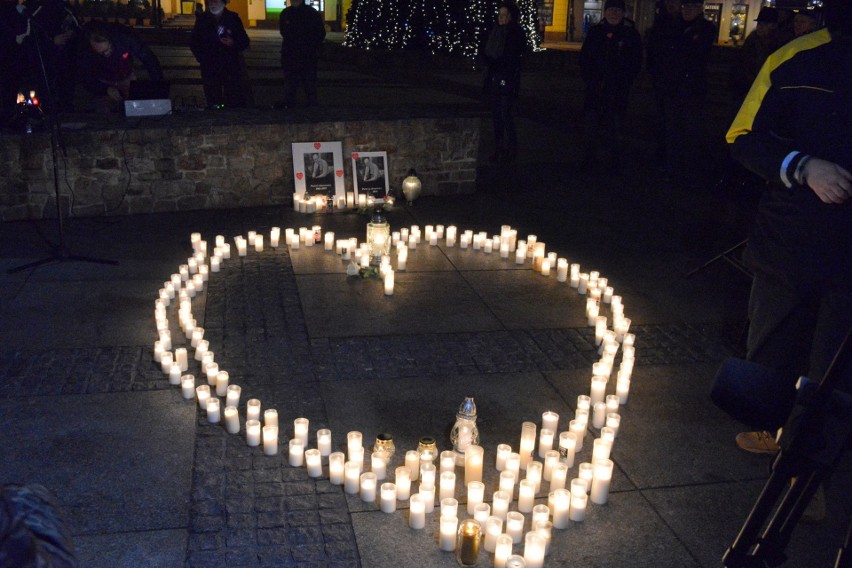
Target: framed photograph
370, 171
318, 170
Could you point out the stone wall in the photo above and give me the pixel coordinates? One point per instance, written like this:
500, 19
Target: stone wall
172, 165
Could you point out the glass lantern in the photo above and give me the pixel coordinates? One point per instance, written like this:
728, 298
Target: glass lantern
378, 237
427, 448
384, 446
468, 540
464, 433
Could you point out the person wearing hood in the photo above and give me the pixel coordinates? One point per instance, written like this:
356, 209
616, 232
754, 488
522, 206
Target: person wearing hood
218, 42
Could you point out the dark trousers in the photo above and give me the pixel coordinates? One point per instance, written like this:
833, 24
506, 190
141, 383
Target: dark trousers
305, 77
228, 92
503, 118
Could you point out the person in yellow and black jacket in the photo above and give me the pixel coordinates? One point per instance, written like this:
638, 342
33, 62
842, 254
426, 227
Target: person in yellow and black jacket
795, 130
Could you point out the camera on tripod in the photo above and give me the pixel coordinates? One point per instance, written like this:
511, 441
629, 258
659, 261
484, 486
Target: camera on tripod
29, 113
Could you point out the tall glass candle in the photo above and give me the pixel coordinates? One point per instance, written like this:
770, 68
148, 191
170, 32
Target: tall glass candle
493, 529
447, 538
368, 487
412, 462
561, 506
324, 441
187, 386
313, 461
475, 495
351, 477
502, 550
378, 465
534, 545
535, 471
500, 504
473, 461
545, 442
253, 409
449, 507
447, 487
567, 447
387, 497
253, 432
559, 476
232, 420
503, 451
427, 492
232, 396
601, 479
300, 430
213, 410
527, 446
402, 479
335, 467
515, 526
416, 512
297, 451
526, 496
270, 417
270, 440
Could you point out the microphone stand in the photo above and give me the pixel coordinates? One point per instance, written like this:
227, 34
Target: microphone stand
59, 252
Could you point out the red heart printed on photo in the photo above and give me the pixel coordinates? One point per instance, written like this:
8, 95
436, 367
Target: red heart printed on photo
339, 173
354, 155
299, 175
317, 145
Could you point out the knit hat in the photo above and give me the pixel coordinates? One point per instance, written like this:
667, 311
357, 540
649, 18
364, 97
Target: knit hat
767, 15
614, 4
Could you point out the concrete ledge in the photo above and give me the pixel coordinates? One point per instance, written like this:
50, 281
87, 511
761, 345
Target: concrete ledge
224, 159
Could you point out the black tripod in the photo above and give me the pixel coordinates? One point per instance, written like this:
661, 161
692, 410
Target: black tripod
731, 256
59, 252
812, 442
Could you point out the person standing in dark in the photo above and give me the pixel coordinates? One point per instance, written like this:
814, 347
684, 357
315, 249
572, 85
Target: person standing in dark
756, 48
610, 60
793, 130
106, 64
503, 52
218, 41
302, 33
661, 45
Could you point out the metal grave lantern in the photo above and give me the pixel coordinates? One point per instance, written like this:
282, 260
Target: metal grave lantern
378, 237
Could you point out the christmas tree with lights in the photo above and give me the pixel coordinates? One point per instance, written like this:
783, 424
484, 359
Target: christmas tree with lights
455, 27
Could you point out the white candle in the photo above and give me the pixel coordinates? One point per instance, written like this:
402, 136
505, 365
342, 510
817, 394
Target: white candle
503, 451
412, 462
567, 447
427, 473
613, 420
378, 466
335, 467
187, 386
232, 395
502, 550
449, 507
324, 441
368, 487
578, 507
599, 415
402, 478
586, 472
527, 445
448, 528
270, 440
351, 477
180, 358
507, 482
313, 461
481, 513
551, 458
598, 389
534, 547
526, 495
253, 432
601, 481
253, 409
416, 512
513, 464
448, 460
493, 529
242, 245
222, 378
601, 449
515, 526
561, 506
300, 430
232, 420
447, 487
274, 236
387, 497
559, 476
545, 267
475, 495
329, 240
473, 461
402, 259
578, 427
521, 254
174, 375
427, 492
545, 442
540, 513
297, 451
535, 471
270, 417
389, 281
500, 504
211, 370
213, 410
561, 270
357, 456
258, 243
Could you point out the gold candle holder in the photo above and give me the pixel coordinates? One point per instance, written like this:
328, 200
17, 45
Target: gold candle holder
467, 542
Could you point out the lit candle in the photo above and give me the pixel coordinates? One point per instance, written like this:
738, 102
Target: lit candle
253, 432
579, 503
579, 429
300, 430
329, 240
473, 461
387, 497
351, 477
447, 486
297, 451
601, 480
222, 378
368, 487
502, 550
402, 259
389, 281
601, 449
270, 441
357, 456
449, 507
558, 476
551, 458
534, 547
448, 460
313, 461
513, 464
232, 397
503, 451
187, 386
500, 504
181, 358
534, 473
545, 442
561, 506
448, 527
598, 390
507, 482
545, 267
427, 492
412, 462
567, 447
378, 466
613, 420
427, 473
324, 441
481, 513
521, 254
527, 446
253, 409
586, 472
211, 370
599, 415
335, 467
493, 529
475, 495
258, 243
514, 526
232, 420
402, 478
213, 410
174, 375
526, 495
242, 245
270, 417
416, 512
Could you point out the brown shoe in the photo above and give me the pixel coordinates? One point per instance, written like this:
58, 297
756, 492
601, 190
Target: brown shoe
757, 442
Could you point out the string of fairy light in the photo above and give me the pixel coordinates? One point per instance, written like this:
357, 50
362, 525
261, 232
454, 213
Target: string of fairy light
455, 27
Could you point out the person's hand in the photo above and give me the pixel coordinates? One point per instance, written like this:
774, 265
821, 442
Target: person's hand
831, 182
63, 39
226, 41
114, 94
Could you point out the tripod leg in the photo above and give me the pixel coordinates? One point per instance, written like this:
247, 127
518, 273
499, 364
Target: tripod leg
738, 555
844, 555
